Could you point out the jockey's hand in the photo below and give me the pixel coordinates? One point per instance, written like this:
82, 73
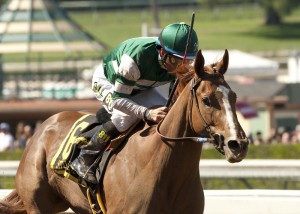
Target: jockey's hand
157, 114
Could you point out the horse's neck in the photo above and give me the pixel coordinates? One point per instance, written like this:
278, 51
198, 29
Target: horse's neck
176, 125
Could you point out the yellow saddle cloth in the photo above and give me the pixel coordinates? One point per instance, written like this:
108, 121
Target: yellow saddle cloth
61, 160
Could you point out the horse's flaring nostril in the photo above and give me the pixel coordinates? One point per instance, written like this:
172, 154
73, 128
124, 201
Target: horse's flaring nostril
233, 145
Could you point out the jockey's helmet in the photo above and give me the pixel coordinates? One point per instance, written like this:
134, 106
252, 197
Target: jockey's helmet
173, 38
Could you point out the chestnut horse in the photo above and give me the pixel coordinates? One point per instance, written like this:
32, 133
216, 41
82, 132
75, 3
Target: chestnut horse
156, 171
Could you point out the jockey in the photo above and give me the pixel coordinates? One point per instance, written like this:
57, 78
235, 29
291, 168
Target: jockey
125, 84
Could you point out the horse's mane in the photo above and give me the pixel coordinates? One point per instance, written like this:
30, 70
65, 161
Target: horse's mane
183, 74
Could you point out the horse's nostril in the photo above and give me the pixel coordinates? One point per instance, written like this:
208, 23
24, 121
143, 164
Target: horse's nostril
233, 145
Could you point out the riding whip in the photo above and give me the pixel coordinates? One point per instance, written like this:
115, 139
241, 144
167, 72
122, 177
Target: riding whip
183, 60
189, 38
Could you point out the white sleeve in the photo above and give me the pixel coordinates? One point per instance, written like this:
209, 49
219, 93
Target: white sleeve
128, 68
129, 107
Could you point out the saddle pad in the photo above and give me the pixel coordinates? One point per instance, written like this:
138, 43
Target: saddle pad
62, 157
61, 160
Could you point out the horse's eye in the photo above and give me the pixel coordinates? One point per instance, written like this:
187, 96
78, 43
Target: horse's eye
206, 101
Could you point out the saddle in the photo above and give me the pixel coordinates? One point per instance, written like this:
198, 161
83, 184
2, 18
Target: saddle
69, 150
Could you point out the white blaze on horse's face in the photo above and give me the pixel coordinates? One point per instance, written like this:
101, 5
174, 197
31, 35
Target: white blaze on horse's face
229, 114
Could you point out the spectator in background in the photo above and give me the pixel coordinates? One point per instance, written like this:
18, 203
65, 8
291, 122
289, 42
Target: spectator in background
258, 139
274, 137
28, 131
250, 137
286, 137
6, 138
19, 134
23, 134
296, 135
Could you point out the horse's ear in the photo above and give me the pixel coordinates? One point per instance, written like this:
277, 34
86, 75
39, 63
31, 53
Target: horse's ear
199, 63
223, 65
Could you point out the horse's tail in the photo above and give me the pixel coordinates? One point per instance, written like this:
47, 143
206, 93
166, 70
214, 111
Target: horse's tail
12, 204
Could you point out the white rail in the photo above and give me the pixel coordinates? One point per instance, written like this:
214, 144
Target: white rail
8, 168
244, 201
252, 201
255, 168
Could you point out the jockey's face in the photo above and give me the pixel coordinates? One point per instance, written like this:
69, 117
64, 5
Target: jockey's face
172, 62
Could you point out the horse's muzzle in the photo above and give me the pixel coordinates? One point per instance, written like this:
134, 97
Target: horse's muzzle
234, 150
219, 142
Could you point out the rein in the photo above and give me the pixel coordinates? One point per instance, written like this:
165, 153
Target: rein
194, 86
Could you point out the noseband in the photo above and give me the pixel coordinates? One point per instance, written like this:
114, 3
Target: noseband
194, 86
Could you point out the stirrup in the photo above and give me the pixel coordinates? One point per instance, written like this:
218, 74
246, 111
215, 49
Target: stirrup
93, 202
83, 173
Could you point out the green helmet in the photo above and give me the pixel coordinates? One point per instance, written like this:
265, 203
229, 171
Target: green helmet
173, 38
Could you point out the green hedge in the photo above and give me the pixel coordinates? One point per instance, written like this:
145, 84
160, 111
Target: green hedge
278, 151
11, 155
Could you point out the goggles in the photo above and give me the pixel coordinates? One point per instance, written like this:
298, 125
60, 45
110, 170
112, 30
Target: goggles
176, 61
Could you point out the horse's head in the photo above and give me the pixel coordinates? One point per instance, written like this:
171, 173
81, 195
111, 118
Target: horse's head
214, 111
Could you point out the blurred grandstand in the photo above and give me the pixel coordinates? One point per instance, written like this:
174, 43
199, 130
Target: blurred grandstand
43, 51
44, 54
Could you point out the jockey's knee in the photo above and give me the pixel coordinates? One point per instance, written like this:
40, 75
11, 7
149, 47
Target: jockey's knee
102, 115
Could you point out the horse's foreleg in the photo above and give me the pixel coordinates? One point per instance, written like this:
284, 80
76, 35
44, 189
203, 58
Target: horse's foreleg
12, 204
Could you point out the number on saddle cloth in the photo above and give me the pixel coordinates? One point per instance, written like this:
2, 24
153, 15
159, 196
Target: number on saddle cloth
86, 126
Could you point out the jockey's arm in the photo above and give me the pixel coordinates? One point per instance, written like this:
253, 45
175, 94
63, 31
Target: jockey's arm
129, 73
130, 107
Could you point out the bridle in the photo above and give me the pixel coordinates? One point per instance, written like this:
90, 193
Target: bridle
214, 137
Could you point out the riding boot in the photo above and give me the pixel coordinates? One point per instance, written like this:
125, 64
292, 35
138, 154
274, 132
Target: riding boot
89, 152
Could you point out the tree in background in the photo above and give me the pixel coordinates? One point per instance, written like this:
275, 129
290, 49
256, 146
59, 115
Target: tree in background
276, 9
